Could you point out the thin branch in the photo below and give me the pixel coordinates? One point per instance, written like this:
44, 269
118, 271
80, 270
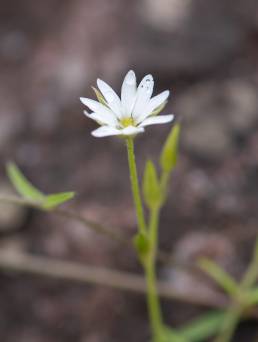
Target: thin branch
162, 256
66, 270
86, 222
97, 227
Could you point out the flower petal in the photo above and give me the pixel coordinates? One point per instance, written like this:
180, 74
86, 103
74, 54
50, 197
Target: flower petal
157, 100
160, 119
105, 131
102, 110
111, 97
144, 92
154, 103
131, 130
128, 93
100, 118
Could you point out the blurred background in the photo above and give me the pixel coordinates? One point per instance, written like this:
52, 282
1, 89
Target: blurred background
51, 53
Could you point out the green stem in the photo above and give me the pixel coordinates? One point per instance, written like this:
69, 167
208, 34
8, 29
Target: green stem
150, 266
230, 323
135, 185
235, 311
151, 280
251, 273
149, 262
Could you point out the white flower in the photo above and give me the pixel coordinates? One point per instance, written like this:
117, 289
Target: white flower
130, 114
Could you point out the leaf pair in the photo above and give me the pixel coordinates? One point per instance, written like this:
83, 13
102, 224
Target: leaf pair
30, 193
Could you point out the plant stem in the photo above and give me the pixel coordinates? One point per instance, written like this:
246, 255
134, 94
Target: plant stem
152, 293
24, 263
150, 259
251, 273
135, 185
230, 322
235, 311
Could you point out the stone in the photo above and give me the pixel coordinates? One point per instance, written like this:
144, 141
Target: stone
187, 278
214, 115
208, 139
243, 103
189, 36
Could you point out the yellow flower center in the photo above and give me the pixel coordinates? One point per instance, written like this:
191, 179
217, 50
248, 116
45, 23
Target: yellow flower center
125, 122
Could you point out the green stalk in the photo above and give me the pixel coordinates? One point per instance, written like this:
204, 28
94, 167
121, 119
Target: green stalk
150, 258
135, 185
251, 273
230, 323
235, 311
151, 280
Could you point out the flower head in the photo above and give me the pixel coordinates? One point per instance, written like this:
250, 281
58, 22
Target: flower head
130, 114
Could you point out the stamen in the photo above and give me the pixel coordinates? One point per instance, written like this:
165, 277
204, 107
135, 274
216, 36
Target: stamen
125, 122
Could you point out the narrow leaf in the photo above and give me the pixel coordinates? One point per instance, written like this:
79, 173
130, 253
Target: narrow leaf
170, 335
100, 97
151, 187
218, 275
22, 185
252, 296
203, 327
54, 200
169, 152
256, 250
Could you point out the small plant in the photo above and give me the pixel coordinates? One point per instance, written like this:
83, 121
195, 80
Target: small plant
126, 117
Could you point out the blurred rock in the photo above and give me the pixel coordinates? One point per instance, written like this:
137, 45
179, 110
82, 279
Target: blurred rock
247, 11
216, 247
214, 115
15, 46
12, 216
242, 106
166, 14
208, 138
11, 122
190, 36
12, 247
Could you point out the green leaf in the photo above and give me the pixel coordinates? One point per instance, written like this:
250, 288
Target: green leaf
219, 275
100, 97
22, 185
169, 152
170, 335
29, 192
256, 250
151, 188
251, 296
203, 327
198, 330
54, 200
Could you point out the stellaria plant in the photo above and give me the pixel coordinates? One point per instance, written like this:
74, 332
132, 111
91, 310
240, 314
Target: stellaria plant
126, 117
